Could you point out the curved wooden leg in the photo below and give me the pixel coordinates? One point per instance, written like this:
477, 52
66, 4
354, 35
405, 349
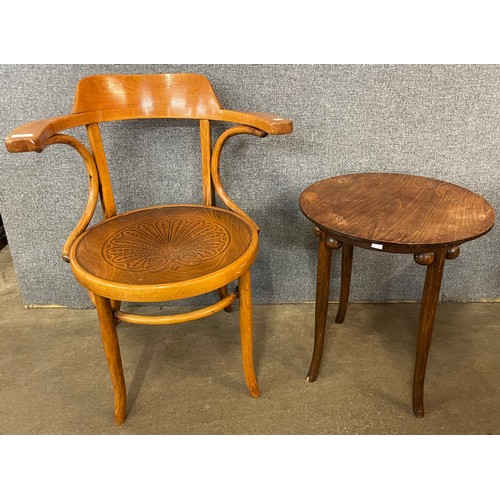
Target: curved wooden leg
345, 283
112, 349
224, 292
430, 297
244, 285
326, 244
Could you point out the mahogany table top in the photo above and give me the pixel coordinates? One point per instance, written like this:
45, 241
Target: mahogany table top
398, 213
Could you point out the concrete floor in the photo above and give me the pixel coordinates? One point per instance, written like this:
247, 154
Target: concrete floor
187, 379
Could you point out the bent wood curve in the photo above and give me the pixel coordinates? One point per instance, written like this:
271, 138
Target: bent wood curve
428, 309
32, 136
215, 166
93, 188
173, 319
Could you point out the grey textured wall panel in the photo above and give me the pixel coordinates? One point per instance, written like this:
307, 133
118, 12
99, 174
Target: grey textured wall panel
435, 120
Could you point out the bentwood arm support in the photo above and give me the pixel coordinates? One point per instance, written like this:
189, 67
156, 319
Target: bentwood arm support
36, 136
215, 164
33, 136
90, 165
258, 124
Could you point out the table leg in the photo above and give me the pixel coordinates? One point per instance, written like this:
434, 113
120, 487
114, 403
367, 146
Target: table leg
326, 244
345, 283
430, 297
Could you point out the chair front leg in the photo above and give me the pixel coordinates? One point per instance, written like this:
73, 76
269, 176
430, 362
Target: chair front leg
244, 286
107, 324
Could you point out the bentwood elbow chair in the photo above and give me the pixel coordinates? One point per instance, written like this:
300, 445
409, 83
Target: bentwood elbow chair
160, 253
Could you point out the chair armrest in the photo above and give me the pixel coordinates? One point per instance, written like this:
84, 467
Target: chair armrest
271, 124
33, 136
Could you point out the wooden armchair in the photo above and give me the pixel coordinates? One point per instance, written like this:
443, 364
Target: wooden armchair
160, 253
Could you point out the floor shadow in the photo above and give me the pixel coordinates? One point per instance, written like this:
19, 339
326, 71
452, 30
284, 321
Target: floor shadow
142, 367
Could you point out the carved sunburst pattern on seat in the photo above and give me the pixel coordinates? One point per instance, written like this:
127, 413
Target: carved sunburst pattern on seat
165, 244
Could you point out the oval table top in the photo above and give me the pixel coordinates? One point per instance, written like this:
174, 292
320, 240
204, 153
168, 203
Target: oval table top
398, 213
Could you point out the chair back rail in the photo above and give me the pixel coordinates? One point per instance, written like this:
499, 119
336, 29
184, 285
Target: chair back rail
175, 95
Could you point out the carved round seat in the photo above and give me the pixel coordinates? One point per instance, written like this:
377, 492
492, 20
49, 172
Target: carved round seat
172, 252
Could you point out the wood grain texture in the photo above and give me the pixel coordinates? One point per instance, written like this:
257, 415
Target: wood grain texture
183, 94
404, 213
103, 98
246, 334
206, 155
321, 306
164, 253
428, 309
111, 345
391, 213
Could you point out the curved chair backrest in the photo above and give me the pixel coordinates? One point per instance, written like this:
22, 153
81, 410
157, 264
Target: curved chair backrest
147, 96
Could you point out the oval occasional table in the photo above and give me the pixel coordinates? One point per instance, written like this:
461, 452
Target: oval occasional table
395, 213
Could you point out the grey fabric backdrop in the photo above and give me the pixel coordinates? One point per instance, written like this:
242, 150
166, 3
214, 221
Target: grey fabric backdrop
434, 120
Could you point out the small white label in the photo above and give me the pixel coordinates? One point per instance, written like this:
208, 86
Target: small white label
16, 136
378, 246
